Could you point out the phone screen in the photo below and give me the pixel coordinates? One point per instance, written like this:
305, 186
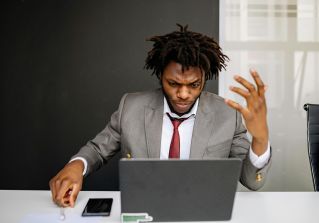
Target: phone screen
98, 207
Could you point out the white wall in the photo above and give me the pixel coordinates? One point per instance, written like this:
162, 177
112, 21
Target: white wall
280, 39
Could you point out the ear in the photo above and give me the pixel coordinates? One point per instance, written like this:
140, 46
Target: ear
160, 80
204, 81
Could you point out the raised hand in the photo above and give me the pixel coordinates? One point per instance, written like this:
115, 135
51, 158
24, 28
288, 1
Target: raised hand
255, 114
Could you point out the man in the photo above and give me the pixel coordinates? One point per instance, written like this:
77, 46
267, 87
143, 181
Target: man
180, 120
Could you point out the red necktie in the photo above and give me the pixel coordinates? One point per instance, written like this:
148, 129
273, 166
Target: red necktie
174, 149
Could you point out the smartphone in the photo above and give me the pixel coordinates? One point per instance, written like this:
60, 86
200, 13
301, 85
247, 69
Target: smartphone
98, 207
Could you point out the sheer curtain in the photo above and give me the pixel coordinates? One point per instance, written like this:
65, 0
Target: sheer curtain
280, 39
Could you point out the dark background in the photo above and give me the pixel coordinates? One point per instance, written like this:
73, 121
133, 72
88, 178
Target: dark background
65, 65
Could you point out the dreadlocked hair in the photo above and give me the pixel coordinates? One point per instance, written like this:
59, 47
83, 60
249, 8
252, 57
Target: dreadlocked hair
190, 49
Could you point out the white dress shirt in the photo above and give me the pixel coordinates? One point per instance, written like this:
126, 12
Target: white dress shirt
185, 132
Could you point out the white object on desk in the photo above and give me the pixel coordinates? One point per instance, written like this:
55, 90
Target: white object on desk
62, 214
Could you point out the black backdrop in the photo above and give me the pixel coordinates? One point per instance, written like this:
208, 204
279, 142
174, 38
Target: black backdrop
65, 65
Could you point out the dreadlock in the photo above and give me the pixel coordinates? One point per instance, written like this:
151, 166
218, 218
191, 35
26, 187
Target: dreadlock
188, 48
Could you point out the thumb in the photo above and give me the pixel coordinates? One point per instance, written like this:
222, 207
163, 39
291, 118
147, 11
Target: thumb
74, 194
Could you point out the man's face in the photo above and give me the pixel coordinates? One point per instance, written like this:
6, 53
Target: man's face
182, 88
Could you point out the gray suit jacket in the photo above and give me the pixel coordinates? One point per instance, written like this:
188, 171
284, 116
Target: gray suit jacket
135, 129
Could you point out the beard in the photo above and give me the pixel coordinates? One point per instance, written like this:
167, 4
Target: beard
172, 107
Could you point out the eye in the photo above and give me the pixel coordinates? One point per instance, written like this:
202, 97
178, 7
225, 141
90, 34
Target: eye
172, 84
195, 85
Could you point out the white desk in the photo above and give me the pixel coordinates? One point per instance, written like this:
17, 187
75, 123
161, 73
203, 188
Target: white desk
249, 207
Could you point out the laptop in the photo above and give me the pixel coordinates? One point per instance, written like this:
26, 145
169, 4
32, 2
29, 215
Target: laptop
179, 190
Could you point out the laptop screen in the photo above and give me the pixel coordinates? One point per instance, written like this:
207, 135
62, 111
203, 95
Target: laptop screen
179, 190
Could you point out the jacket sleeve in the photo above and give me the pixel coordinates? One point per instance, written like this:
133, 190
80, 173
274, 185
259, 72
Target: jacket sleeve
251, 177
105, 144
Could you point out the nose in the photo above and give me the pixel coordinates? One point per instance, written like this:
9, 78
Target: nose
183, 93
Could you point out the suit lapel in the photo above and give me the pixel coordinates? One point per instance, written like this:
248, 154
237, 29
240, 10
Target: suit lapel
153, 125
203, 127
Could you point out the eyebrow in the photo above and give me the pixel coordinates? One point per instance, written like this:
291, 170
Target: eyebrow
195, 81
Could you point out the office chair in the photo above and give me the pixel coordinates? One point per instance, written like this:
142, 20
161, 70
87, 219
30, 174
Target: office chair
313, 141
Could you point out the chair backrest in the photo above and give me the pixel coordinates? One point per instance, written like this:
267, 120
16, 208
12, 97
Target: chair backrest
313, 141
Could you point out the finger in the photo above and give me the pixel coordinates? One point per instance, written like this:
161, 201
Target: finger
57, 184
241, 92
74, 194
52, 188
66, 199
249, 86
237, 106
261, 88
62, 193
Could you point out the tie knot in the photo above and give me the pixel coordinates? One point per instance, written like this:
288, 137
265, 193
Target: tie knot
176, 121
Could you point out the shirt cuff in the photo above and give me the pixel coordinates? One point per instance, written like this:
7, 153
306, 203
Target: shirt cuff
84, 162
259, 161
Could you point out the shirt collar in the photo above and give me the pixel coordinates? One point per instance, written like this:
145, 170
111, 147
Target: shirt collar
192, 112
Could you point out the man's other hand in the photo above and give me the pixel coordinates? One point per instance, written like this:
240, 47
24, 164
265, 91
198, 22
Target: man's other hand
66, 185
255, 113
